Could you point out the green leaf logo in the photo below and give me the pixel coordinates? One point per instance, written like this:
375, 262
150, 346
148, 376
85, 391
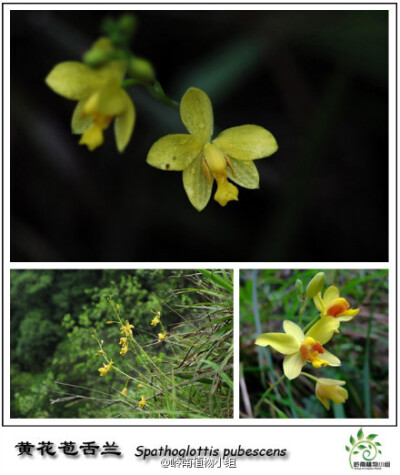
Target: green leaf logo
364, 446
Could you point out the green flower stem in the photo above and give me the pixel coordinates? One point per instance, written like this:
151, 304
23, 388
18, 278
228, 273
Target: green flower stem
154, 88
309, 325
157, 92
303, 309
309, 376
170, 343
258, 405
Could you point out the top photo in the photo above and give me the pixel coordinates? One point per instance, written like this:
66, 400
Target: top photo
199, 136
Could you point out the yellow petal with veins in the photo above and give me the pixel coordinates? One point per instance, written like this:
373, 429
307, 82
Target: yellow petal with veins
244, 174
174, 152
197, 114
198, 188
246, 142
292, 365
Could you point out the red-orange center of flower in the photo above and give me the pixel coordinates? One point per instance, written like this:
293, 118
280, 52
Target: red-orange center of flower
338, 308
311, 352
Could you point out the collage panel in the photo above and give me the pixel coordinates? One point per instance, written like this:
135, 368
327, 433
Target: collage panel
248, 135
121, 344
314, 344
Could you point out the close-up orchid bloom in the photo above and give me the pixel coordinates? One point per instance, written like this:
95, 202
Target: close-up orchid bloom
332, 305
204, 160
299, 348
100, 100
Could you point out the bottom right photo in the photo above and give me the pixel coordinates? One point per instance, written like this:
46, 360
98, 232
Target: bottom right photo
314, 343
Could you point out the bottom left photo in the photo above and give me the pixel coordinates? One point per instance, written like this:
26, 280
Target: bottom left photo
146, 343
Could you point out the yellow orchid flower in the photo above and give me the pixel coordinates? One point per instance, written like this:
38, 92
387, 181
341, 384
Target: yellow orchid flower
100, 100
301, 349
106, 368
142, 402
202, 159
125, 391
161, 337
126, 330
331, 389
156, 320
331, 304
124, 350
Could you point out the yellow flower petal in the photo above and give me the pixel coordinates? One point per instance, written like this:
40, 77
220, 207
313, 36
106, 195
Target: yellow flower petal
281, 342
330, 294
244, 173
331, 359
350, 315
109, 100
124, 124
74, 80
330, 389
246, 142
294, 330
292, 365
197, 114
197, 187
323, 330
174, 152
80, 122
318, 302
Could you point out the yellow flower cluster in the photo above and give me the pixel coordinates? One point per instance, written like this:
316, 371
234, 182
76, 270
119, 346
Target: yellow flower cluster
127, 328
124, 348
100, 99
106, 368
300, 349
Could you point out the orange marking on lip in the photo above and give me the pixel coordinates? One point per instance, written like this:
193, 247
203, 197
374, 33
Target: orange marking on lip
304, 352
317, 347
338, 308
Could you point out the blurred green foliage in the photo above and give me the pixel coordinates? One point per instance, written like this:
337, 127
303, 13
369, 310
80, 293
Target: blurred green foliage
268, 297
54, 314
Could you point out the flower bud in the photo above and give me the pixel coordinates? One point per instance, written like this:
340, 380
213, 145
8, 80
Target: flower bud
141, 69
299, 289
316, 285
127, 23
96, 57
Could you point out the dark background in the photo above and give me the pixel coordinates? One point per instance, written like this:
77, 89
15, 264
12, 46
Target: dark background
317, 80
